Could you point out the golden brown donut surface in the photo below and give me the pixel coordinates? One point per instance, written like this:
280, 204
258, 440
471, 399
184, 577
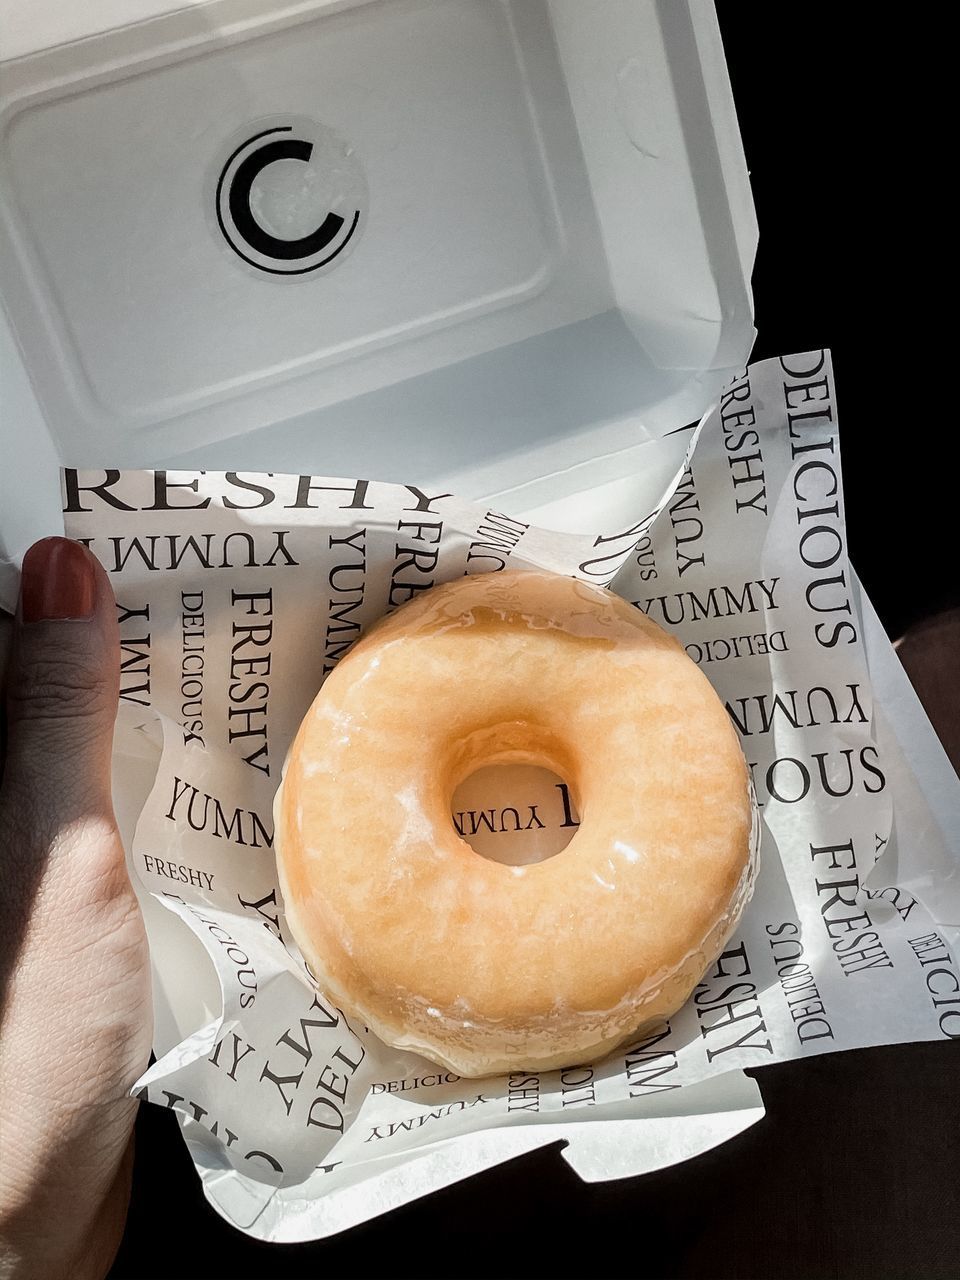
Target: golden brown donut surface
480, 966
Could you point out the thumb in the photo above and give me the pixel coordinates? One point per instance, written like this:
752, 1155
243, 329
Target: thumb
74, 978
62, 686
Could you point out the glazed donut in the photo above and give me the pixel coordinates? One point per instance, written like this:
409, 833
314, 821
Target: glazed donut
478, 966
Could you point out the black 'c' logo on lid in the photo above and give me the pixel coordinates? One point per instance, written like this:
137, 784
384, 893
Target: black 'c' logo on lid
258, 199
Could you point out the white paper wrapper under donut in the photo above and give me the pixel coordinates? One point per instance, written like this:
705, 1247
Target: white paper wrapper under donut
237, 592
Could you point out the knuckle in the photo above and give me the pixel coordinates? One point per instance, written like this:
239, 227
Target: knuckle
57, 687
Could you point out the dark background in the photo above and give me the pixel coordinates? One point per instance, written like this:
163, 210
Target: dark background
855, 1172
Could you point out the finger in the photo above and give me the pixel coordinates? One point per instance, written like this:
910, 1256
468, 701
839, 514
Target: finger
62, 686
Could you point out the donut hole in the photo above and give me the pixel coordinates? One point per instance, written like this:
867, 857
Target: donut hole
515, 813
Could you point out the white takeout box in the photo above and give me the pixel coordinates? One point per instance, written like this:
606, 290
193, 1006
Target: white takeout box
550, 266
538, 264
549, 271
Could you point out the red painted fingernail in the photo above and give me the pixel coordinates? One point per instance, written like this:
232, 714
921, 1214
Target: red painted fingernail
57, 582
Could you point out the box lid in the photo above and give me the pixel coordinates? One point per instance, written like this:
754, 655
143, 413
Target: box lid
499, 245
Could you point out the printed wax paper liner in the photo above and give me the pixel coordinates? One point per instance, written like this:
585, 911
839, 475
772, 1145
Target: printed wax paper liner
237, 593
